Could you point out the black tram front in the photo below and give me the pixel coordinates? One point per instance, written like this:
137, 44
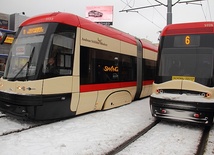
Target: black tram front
183, 88
22, 85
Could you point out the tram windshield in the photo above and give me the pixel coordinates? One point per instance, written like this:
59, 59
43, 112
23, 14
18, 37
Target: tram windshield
195, 62
23, 56
41, 51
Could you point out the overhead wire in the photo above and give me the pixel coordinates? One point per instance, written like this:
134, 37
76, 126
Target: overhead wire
149, 20
208, 5
127, 4
157, 11
203, 12
209, 12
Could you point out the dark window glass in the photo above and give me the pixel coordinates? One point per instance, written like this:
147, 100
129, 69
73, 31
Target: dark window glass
59, 59
149, 68
187, 41
186, 61
128, 70
98, 66
196, 62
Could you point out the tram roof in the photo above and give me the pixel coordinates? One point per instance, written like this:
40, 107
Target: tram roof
189, 28
71, 19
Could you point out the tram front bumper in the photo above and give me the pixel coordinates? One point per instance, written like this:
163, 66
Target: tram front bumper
19, 105
197, 112
36, 107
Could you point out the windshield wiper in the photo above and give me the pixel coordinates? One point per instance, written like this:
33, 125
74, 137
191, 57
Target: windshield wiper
27, 63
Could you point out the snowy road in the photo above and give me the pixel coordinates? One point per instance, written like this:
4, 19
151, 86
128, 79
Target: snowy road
10, 125
99, 132
167, 138
210, 143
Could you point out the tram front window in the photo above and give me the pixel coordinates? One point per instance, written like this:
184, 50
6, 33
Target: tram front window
24, 54
23, 57
196, 62
41, 51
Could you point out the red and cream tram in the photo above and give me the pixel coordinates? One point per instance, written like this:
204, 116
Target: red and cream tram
184, 84
61, 65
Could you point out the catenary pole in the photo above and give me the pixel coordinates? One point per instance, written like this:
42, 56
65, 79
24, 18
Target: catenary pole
169, 12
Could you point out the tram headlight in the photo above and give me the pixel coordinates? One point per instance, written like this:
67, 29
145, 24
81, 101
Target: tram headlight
207, 95
21, 88
159, 91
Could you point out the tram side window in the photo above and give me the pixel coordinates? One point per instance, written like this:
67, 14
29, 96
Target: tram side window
60, 58
128, 70
98, 66
149, 69
64, 63
84, 66
106, 67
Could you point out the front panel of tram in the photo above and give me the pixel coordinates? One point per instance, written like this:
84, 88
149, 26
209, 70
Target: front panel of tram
41, 56
183, 87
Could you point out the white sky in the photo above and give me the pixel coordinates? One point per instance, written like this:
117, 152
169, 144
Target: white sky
144, 24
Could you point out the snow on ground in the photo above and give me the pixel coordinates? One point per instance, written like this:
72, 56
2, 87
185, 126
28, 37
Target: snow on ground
166, 139
210, 143
11, 124
183, 97
94, 133
99, 132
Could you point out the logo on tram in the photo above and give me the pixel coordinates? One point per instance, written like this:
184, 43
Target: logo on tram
110, 69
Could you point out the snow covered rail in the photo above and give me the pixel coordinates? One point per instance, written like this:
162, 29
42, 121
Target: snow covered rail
167, 138
132, 139
14, 125
203, 141
1, 115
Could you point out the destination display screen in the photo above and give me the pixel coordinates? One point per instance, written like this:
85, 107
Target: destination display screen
187, 40
190, 78
34, 30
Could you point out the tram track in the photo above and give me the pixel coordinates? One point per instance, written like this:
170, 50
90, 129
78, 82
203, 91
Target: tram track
203, 140
200, 142
16, 126
173, 136
2, 115
132, 139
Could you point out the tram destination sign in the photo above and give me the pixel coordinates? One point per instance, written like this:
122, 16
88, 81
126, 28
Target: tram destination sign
190, 78
187, 40
34, 29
